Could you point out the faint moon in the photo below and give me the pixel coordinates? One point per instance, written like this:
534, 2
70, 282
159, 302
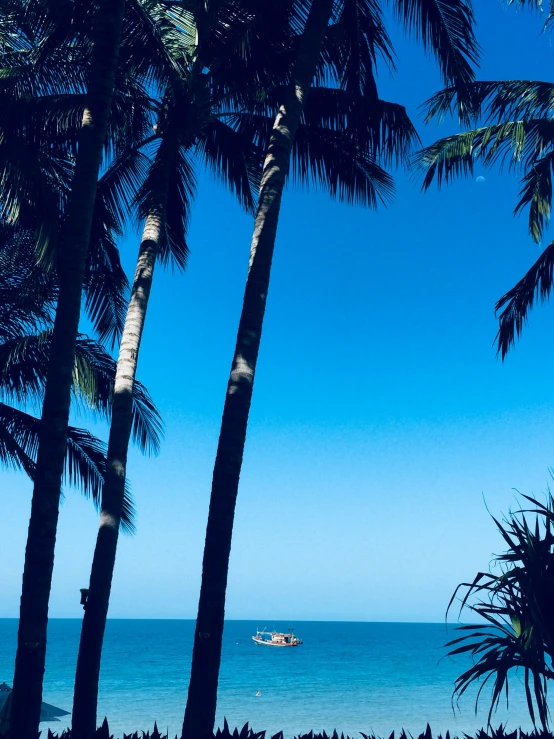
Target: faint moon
480, 180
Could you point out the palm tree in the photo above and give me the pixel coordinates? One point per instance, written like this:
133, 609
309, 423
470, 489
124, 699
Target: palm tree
107, 21
191, 126
350, 48
510, 124
202, 113
515, 609
74, 47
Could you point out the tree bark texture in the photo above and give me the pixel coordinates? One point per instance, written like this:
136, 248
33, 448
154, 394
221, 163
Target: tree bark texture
41, 538
85, 698
202, 694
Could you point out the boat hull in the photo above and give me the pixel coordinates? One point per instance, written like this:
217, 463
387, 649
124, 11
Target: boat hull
267, 643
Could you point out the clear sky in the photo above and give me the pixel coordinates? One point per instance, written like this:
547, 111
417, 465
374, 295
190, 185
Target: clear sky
381, 415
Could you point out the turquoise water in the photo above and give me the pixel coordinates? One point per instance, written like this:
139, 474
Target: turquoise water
350, 676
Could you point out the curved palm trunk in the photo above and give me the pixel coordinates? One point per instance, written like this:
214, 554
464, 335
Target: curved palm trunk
87, 677
41, 538
202, 694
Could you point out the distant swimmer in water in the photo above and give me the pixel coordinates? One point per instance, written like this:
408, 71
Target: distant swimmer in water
258, 694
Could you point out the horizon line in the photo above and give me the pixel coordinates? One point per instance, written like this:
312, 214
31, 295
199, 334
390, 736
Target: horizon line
278, 620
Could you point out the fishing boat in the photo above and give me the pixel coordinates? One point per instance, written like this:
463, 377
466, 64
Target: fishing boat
276, 639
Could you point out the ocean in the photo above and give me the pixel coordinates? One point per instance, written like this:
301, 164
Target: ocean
355, 677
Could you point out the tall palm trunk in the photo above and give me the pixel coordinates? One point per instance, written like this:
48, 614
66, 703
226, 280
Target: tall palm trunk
202, 695
41, 539
87, 677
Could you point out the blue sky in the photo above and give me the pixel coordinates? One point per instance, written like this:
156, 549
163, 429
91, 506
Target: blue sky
381, 415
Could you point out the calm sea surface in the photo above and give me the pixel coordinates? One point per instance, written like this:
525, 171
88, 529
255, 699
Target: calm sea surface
350, 676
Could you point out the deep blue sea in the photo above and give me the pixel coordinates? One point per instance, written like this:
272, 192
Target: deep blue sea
349, 676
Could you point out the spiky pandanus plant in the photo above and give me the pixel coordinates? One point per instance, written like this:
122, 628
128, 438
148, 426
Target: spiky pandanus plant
516, 613
343, 39
511, 125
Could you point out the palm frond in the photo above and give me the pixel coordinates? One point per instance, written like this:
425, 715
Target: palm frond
23, 369
106, 286
537, 194
354, 43
181, 189
168, 32
131, 119
445, 28
525, 144
147, 423
85, 467
330, 158
58, 25
537, 6
119, 184
22, 76
93, 381
234, 158
30, 183
519, 143
517, 302
227, 29
27, 292
256, 51
85, 461
12, 37
492, 101
18, 440
378, 127
49, 123
382, 128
